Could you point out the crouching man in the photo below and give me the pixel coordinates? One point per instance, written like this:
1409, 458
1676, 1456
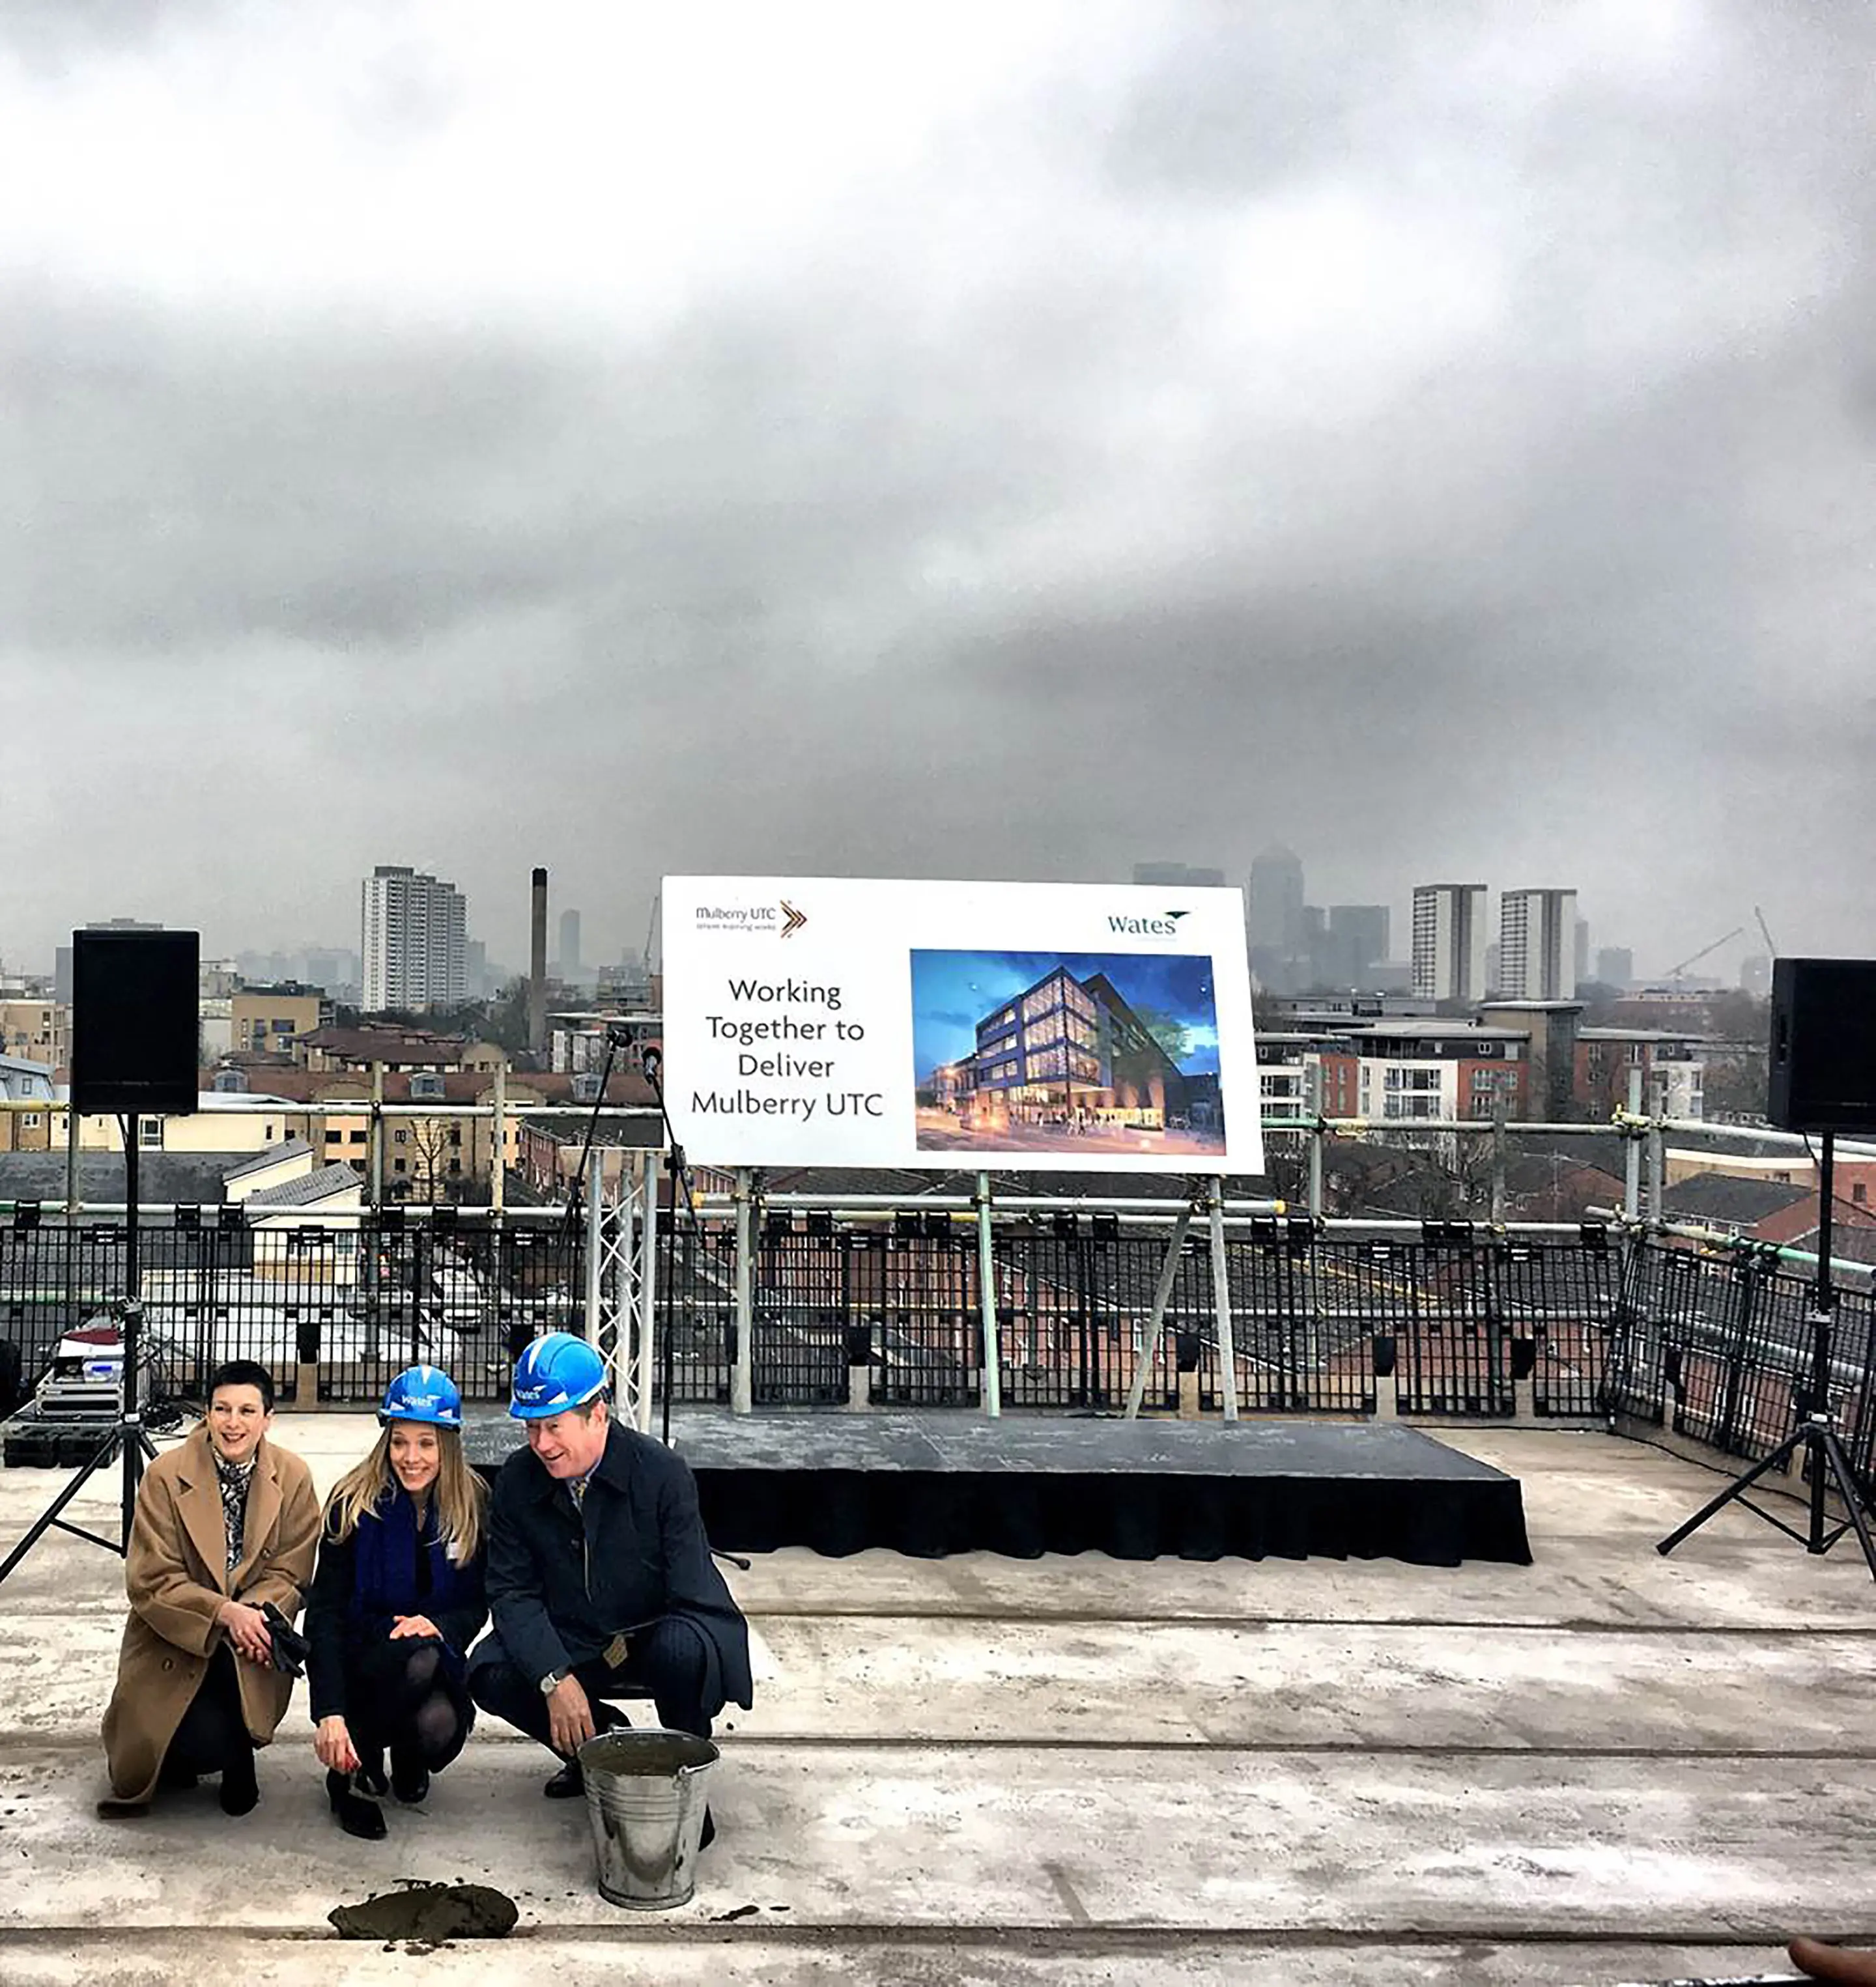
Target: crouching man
601, 1585
224, 1522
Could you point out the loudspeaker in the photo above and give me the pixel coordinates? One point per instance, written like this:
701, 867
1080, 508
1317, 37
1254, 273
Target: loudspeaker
1823, 1067
134, 1020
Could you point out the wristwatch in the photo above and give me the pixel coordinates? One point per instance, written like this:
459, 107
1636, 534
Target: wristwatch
553, 1678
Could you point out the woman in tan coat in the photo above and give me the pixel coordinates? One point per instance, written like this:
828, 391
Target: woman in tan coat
224, 1522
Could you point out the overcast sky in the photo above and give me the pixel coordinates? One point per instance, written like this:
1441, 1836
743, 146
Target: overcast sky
997, 441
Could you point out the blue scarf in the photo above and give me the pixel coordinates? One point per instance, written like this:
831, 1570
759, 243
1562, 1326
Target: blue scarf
388, 1545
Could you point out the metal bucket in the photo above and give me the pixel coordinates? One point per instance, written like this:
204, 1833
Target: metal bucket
645, 1797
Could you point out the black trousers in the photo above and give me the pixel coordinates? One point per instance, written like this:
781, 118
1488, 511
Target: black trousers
213, 1729
404, 1695
666, 1663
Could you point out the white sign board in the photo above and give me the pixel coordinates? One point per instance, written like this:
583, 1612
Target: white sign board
1061, 1027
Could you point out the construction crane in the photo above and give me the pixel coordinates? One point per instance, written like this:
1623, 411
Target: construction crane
1675, 972
651, 925
1765, 932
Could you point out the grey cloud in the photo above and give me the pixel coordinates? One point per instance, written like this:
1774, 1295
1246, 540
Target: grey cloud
868, 569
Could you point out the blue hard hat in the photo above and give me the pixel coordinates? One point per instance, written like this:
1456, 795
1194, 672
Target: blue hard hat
423, 1394
558, 1372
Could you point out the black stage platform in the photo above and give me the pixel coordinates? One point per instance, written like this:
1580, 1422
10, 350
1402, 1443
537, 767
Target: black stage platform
931, 1484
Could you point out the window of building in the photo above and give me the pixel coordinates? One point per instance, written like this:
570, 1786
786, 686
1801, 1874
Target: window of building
1044, 1000
1413, 1079
456, 1134
358, 1137
29, 1122
1858, 1192
397, 1166
456, 1165
149, 1133
399, 1136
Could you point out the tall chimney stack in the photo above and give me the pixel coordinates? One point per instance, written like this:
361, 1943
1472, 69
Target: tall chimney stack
537, 967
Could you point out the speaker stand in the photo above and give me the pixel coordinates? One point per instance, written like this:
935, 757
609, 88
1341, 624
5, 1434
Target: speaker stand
127, 1440
1816, 1434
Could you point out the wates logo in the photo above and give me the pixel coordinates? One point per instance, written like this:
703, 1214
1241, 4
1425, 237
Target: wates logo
1164, 926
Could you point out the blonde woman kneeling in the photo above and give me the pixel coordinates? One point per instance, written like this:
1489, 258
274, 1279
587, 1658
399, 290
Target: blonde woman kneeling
397, 1601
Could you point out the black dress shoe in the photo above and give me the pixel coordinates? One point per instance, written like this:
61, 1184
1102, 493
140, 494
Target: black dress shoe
369, 1778
356, 1815
569, 1784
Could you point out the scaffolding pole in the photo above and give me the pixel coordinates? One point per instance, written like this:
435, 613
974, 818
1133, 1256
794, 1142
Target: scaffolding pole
1144, 1355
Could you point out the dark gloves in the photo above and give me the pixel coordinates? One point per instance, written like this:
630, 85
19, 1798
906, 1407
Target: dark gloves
289, 1645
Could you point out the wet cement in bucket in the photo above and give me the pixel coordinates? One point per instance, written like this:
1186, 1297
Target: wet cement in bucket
645, 1802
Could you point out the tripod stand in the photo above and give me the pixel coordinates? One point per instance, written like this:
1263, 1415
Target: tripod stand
126, 1440
1816, 1434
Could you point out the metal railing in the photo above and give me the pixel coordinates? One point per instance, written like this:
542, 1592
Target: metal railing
783, 1301
1456, 1322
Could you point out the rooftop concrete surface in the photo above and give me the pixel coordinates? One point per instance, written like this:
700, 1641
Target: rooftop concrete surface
1606, 1766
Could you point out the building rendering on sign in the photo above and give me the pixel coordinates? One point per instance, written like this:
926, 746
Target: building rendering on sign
1069, 1052
1537, 945
414, 940
1448, 941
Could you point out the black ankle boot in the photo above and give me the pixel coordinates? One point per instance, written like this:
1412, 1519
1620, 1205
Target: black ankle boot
240, 1790
356, 1815
410, 1776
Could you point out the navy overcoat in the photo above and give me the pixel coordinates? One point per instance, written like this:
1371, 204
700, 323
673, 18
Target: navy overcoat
564, 1579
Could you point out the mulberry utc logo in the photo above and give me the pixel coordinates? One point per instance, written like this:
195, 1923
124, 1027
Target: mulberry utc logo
773, 920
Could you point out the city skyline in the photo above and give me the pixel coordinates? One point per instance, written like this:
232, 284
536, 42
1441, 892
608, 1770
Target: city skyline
1726, 963
968, 446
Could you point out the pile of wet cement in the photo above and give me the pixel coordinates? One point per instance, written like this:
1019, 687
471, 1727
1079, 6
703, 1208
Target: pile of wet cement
429, 1914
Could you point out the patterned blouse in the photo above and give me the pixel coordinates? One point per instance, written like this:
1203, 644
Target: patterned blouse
234, 1478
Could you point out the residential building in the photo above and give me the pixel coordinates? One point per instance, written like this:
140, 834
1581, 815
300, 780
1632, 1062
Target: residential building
414, 938
266, 1019
1449, 941
214, 1029
1550, 1028
1410, 1069
389, 1046
1536, 945
1672, 1067
1615, 965
222, 1121
26, 1085
37, 1031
